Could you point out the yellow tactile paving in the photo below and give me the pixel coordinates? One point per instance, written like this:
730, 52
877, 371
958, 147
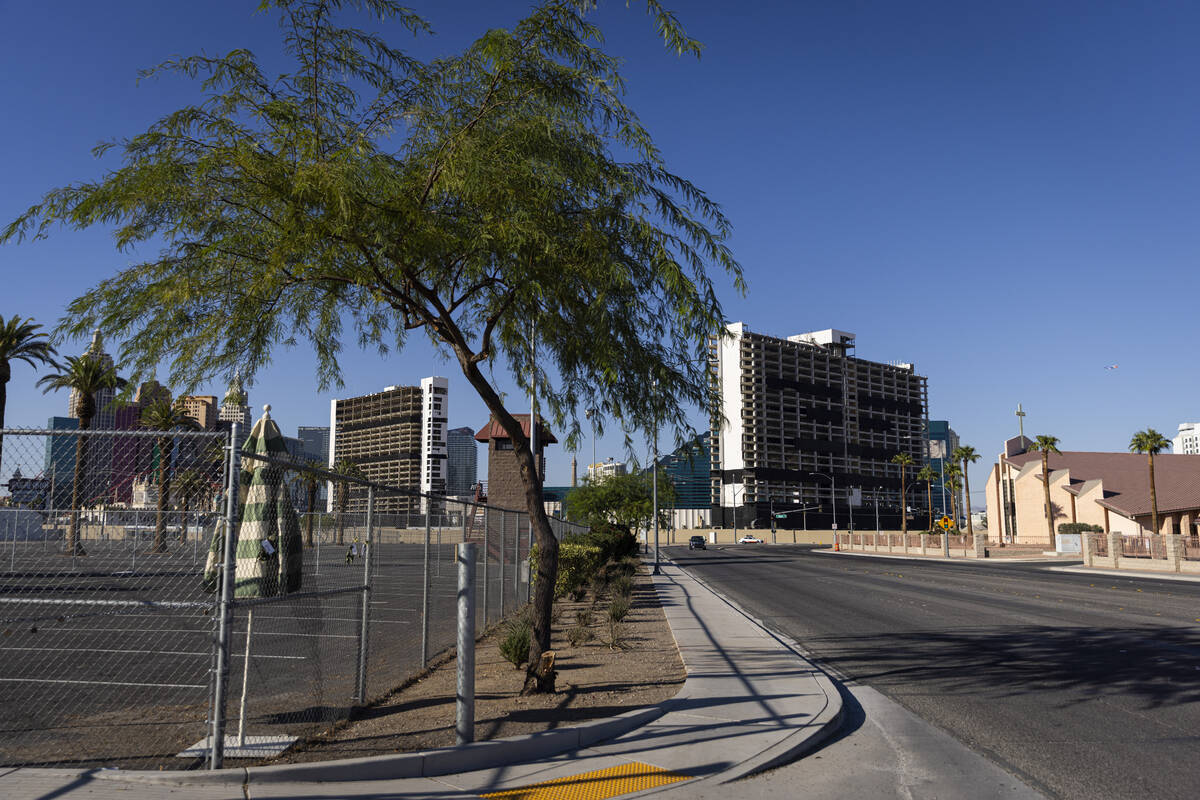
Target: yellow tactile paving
594, 785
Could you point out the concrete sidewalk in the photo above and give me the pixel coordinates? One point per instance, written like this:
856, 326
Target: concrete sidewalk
750, 702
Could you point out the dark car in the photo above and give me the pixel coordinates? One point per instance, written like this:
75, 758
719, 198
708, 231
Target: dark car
697, 543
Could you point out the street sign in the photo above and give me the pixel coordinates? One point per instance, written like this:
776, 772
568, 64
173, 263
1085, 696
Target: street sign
945, 523
780, 516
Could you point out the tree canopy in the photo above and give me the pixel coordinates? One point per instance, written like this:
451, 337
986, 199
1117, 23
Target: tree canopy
624, 500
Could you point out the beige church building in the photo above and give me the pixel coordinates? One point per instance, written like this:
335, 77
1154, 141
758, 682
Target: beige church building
1111, 490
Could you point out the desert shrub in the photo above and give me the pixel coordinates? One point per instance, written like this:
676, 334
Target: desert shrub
618, 609
514, 646
1079, 527
622, 586
577, 562
580, 634
583, 617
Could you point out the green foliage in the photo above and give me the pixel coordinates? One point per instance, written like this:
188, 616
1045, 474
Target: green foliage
577, 562
624, 501
22, 340
86, 375
483, 198
1148, 441
622, 586
1045, 445
514, 645
618, 609
1079, 527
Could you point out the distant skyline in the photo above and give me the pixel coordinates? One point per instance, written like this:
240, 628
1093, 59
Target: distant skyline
1004, 195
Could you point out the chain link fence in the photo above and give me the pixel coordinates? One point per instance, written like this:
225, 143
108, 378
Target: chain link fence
119, 647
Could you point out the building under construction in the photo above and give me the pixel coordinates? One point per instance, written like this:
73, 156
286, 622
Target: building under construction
396, 437
805, 432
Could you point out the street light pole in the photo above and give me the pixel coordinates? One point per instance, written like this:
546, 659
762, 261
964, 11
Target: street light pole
656, 571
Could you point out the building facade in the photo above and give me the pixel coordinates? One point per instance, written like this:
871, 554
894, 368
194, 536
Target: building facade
606, 469
236, 405
316, 442
1187, 441
395, 437
943, 441
806, 429
462, 461
505, 489
1110, 490
201, 408
689, 469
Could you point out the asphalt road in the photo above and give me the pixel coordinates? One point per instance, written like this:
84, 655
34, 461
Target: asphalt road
1083, 686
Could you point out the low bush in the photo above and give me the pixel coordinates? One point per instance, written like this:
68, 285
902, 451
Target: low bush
580, 634
622, 586
583, 617
577, 562
618, 609
1079, 527
515, 645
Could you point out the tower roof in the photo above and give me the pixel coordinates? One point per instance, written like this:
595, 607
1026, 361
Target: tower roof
494, 430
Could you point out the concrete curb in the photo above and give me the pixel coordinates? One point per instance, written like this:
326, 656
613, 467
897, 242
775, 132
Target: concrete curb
942, 559
803, 740
427, 764
1129, 573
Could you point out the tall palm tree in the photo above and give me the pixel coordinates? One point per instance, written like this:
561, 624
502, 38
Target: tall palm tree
349, 469
950, 478
163, 415
189, 485
1047, 445
905, 460
929, 476
20, 340
86, 375
1150, 442
966, 455
311, 482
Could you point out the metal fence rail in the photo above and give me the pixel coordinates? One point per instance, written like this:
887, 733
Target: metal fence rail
113, 650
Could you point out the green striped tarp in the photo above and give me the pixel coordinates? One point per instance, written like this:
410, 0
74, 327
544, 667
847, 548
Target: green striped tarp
269, 554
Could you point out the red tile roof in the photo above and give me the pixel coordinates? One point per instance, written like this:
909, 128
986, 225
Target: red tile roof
494, 430
1126, 478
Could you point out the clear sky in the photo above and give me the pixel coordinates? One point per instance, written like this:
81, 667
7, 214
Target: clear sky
1004, 194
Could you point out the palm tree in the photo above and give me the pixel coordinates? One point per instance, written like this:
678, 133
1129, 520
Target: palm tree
20, 340
163, 415
905, 461
1150, 442
966, 455
86, 375
929, 476
349, 469
190, 484
1047, 445
950, 478
311, 481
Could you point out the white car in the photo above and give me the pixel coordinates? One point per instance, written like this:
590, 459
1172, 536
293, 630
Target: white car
748, 539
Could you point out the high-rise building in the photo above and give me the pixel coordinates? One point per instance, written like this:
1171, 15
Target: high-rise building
202, 408
607, 469
462, 460
105, 414
59, 467
316, 442
396, 437
1187, 441
236, 406
943, 441
807, 429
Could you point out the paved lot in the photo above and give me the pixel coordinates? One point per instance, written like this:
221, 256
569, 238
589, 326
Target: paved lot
1083, 686
94, 683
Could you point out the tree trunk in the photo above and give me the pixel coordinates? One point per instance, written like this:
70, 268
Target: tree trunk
74, 546
539, 677
903, 502
308, 523
967, 500
164, 489
4, 371
954, 505
1153, 496
1046, 492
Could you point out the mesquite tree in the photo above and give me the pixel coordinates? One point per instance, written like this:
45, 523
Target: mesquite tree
504, 201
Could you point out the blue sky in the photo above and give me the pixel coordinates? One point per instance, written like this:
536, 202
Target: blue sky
1004, 194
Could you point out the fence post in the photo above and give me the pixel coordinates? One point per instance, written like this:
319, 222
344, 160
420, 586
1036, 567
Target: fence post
529, 564
364, 615
516, 559
425, 598
487, 540
464, 706
503, 557
225, 614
